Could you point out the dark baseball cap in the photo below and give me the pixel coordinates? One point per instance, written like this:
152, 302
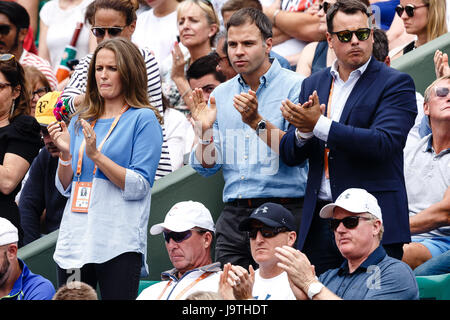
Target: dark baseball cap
272, 215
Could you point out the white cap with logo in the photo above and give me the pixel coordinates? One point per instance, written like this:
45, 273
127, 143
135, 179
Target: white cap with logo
354, 200
8, 232
184, 216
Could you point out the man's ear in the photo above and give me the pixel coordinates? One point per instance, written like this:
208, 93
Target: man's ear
328, 35
22, 34
269, 43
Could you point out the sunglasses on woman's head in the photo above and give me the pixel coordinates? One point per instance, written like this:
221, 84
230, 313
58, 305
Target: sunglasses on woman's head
350, 222
346, 35
266, 232
100, 32
409, 8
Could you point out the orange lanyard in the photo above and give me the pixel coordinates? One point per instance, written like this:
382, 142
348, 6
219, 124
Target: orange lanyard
193, 283
83, 143
327, 151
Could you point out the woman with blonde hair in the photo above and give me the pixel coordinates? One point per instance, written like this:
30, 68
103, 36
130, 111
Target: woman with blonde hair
425, 19
107, 166
198, 25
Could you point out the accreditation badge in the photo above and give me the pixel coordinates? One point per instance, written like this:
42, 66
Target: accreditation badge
82, 195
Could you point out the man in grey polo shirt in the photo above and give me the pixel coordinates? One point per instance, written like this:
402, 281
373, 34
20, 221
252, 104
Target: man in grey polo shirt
368, 273
427, 179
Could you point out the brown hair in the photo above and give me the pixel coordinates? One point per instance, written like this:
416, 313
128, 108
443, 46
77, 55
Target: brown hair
127, 7
12, 70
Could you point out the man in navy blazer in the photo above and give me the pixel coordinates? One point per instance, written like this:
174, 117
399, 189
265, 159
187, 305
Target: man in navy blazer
359, 111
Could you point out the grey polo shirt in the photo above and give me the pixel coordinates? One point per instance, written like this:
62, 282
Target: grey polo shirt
379, 277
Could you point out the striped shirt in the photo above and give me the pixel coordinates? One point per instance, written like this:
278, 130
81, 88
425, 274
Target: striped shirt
77, 85
30, 59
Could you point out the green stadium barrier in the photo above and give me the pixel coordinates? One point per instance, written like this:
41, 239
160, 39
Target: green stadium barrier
181, 185
419, 63
434, 287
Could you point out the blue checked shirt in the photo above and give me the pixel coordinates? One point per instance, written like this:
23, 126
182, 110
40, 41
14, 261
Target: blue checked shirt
250, 168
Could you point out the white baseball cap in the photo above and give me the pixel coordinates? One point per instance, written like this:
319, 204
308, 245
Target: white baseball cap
184, 216
8, 232
354, 200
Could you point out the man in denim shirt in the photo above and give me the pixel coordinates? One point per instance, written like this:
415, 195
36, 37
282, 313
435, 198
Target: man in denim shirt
241, 136
368, 273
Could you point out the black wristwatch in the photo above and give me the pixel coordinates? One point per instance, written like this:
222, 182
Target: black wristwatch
261, 126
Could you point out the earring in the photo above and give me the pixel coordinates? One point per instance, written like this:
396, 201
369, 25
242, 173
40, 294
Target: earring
12, 107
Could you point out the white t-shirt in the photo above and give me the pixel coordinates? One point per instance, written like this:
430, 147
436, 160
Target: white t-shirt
276, 288
180, 136
61, 26
158, 34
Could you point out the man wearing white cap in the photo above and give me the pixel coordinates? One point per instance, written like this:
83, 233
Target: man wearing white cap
188, 231
367, 273
17, 282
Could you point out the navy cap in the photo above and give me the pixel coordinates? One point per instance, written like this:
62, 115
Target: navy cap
272, 215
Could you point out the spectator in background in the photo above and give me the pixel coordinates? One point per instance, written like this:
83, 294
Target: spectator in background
188, 231
104, 233
427, 180
15, 21
58, 20
156, 29
41, 205
19, 136
38, 86
17, 282
106, 17
293, 28
197, 26
224, 64
424, 18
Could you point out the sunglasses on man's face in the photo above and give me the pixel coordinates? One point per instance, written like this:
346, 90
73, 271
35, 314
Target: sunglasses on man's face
100, 32
441, 92
350, 222
5, 29
325, 6
346, 35
409, 8
177, 236
266, 232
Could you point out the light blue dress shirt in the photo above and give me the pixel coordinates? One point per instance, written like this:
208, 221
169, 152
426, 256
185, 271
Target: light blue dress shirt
250, 168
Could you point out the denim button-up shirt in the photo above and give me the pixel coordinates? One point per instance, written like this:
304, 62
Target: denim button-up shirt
250, 168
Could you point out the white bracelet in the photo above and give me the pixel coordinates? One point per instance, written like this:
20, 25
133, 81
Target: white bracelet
205, 142
65, 163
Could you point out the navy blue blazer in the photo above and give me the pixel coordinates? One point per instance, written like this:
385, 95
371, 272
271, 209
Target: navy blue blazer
366, 145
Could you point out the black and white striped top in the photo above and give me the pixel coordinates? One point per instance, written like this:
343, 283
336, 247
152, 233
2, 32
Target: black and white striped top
77, 85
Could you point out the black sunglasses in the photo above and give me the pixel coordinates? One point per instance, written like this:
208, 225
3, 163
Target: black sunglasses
350, 222
177, 236
409, 8
346, 35
100, 32
40, 92
266, 232
441, 91
5, 29
325, 6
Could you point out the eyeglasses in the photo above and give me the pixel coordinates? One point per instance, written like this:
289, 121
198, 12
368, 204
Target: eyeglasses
177, 236
409, 8
325, 6
40, 92
5, 29
100, 32
266, 232
6, 57
350, 222
346, 35
3, 85
441, 92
